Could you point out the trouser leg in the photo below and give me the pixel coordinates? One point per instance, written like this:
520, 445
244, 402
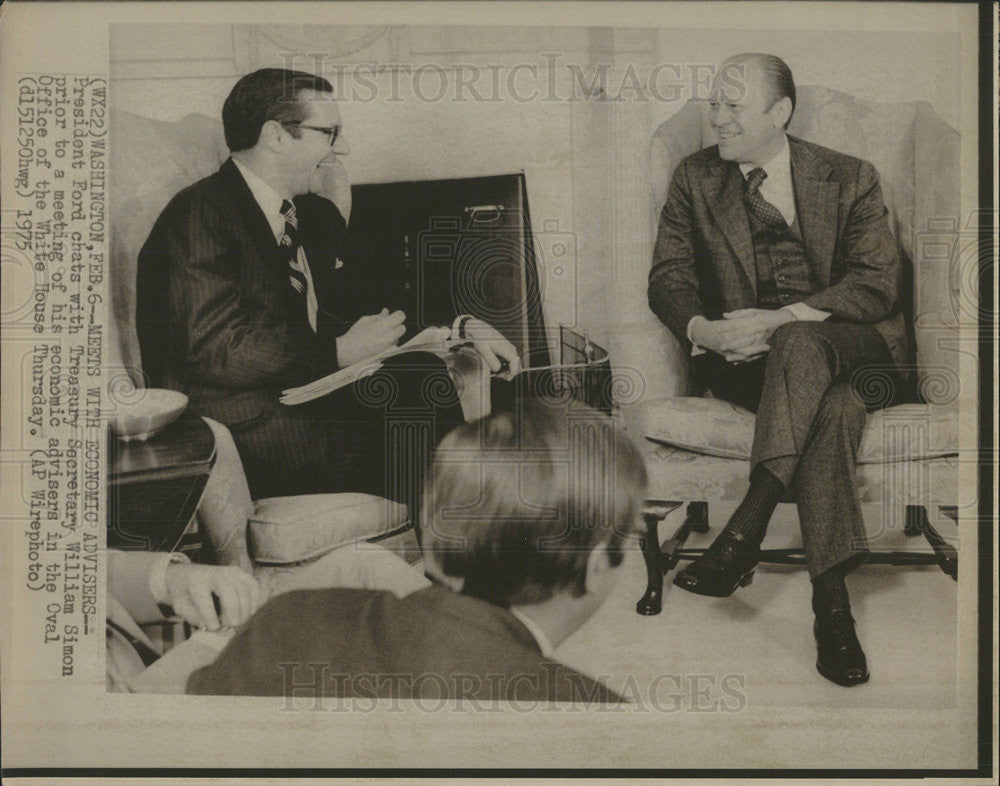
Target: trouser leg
376, 436
303, 450
804, 360
424, 408
809, 426
826, 493
738, 383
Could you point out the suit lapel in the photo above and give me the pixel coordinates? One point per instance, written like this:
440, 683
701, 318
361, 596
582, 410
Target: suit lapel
269, 273
323, 237
317, 252
724, 194
816, 200
260, 228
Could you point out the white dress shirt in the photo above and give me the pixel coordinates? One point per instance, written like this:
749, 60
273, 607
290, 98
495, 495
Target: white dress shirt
777, 189
270, 203
544, 645
777, 186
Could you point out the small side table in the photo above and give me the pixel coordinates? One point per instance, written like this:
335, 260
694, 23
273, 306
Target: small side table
154, 487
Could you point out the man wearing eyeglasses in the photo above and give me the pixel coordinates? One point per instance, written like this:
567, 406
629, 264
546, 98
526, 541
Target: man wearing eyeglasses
246, 286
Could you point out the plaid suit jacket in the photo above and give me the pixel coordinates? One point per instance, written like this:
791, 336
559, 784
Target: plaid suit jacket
703, 260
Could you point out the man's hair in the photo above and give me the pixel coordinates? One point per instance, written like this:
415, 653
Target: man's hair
267, 94
777, 77
516, 502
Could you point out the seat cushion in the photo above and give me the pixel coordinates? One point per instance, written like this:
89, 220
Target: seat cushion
291, 529
713, 427
678, 474
703, 425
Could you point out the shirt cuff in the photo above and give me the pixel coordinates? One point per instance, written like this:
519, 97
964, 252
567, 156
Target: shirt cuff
695, 349
158, 576
806, 313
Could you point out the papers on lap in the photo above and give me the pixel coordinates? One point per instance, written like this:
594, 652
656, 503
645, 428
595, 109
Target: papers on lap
432, 339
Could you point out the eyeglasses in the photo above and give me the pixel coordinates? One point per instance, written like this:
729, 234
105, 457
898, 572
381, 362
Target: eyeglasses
332, 131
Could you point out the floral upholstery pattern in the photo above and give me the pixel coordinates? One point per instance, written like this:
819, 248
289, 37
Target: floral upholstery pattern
679, 474
908, 432
287, 530
705, 425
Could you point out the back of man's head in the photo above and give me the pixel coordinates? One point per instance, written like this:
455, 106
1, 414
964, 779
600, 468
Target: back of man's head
517, 502
266, 94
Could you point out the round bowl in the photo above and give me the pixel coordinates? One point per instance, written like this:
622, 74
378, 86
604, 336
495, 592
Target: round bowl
152, 410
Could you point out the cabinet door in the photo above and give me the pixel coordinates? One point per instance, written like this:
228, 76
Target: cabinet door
439, 248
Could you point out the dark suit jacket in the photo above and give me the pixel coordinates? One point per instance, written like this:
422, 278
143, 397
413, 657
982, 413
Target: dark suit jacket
214, 314
703, 261
433, 643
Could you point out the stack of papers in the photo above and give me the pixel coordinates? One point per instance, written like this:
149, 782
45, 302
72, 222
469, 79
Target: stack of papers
432, 339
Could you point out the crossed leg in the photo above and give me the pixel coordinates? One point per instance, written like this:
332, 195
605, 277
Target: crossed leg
810, 419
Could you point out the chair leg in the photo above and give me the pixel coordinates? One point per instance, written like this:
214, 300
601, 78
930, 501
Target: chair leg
652, 601
917, 523
661, 560
698, 516
914, 520
695, 521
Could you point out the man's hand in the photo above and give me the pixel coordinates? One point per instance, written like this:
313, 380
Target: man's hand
742, 335
768, 319
369, 336
192, 589
493, 347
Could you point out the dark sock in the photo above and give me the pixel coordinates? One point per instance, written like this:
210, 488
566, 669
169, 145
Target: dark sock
830, 591
751, 517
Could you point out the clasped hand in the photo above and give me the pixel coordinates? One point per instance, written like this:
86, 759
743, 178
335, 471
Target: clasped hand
741, 335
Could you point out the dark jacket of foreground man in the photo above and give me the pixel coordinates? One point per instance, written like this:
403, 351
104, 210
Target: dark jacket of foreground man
432, 644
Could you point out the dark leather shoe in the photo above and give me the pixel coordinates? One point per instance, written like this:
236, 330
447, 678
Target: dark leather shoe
727, 564
840, 658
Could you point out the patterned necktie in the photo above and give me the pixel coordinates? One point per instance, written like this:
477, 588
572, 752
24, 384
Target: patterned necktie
763, 210
290, 243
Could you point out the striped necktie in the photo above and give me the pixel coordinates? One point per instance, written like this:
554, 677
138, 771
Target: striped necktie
763, 210
290, 243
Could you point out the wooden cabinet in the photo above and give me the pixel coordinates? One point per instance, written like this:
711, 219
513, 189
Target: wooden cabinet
439, 248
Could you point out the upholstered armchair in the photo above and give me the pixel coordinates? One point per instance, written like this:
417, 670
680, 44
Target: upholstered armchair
276, 536
151, 161
698, 448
